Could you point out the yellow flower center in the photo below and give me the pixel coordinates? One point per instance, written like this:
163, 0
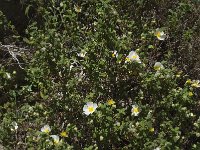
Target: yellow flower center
46, 130
110, 102
127, 59
157, 67
63, 134
158, 34
134, 56
56, 141
113, 55
135, 110
90, 109
151, 129
188, 81
190, 94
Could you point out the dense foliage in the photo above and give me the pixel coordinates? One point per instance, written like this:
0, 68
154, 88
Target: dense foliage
103, 75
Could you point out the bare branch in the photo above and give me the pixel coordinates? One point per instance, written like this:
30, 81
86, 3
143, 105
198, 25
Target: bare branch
14, 51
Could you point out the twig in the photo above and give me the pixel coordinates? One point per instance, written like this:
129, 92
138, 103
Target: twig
14, 51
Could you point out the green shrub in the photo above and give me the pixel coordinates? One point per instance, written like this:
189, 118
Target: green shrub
101, 52
7, 30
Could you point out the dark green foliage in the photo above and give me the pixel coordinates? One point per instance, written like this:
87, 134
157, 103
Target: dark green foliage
73, 62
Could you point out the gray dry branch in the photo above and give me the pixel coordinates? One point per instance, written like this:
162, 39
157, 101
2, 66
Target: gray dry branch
15, 52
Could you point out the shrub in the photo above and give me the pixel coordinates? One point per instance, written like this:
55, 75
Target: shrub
104, 53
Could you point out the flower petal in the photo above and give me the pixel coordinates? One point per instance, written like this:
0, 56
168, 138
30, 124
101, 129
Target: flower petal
95, 106
85, 107
90, 104
87, 112
162, 37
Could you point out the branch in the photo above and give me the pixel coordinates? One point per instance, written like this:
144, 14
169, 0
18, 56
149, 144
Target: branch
14, 51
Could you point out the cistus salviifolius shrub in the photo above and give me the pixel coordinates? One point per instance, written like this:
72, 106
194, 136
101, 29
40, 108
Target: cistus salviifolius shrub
102, 77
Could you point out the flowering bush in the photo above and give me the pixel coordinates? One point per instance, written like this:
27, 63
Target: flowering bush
94, 82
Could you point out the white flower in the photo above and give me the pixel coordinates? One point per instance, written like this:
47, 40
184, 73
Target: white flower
114, 54
89, 108
77, 8
8, 75
70, 67
46, 129
135, 110
195, 83
133, 56
14, 126
157, 148
160, 34
82, 54
158, 66
56, 139
101, 138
